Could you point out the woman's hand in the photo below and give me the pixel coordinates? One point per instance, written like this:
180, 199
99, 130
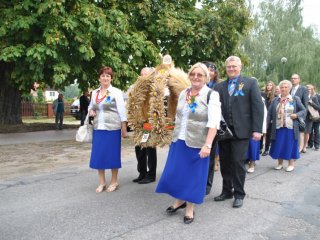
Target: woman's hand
293, 116
92, 113
124, 134
205, 152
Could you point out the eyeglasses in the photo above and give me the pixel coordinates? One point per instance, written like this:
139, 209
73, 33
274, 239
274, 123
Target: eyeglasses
294, 78
232, 67
199, 75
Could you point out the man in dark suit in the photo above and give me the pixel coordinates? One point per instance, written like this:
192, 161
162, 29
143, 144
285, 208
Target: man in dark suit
84, 104
242, 109
301, 92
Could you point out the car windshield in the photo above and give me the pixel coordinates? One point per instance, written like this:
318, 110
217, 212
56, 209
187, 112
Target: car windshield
76, 102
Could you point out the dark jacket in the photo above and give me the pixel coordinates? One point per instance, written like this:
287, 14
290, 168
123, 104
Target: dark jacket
303, 93
84, 103
243, 112
299, 109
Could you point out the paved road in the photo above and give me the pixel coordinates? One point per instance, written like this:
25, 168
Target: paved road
62, 204
36, 137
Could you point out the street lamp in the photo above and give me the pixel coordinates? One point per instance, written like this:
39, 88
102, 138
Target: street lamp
283, 61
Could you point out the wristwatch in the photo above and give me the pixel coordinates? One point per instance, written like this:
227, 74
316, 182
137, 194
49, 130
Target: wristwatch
208, 146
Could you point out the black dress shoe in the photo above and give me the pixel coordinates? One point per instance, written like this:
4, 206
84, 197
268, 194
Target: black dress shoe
171, 209
147, 180
265, 153
237, 203
222, 197
138, 179
188, 220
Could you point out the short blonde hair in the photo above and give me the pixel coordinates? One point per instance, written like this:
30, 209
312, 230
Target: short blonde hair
204, 68
285, 82
234, 58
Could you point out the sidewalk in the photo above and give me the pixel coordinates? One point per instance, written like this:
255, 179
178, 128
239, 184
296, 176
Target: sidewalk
37, 137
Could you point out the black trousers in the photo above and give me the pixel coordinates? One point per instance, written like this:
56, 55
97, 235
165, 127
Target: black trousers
146, 157
59, 120
314, 138
83, 116
233, 154
211, 165
268, 137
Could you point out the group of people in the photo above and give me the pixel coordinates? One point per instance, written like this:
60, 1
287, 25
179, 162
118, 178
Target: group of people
59, 109
188, 172
290, 126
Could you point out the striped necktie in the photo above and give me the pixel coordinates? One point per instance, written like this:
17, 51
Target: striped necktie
232, 86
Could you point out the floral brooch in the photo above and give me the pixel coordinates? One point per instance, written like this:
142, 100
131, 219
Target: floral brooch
239, 91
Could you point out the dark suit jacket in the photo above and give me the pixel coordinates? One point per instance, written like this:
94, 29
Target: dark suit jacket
303, 94
246, 111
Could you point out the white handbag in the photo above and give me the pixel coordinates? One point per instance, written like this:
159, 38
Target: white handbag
84, 133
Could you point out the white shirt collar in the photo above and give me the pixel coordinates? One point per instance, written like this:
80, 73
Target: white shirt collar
109, 89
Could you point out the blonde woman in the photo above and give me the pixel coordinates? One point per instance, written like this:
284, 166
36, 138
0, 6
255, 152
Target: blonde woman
185, 174
284, 112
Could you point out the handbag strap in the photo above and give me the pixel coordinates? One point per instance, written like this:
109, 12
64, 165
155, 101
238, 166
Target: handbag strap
208, 96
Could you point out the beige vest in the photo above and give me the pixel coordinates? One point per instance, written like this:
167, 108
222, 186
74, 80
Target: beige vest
196, 130
109, 113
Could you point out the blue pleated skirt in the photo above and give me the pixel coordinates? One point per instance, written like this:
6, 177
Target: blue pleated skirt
185, 174
106, 149
253, 150
285, 146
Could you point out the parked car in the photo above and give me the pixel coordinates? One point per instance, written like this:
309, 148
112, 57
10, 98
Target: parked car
75, 109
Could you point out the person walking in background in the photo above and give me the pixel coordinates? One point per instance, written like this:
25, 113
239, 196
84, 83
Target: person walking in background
310, 124
110, 122
214, 153
185, 174
84, 104
301, 92
242, 109
284, 112
314, 139
269, 94
146, 157
58, 109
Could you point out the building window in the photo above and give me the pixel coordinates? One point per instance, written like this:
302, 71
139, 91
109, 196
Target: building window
52, 94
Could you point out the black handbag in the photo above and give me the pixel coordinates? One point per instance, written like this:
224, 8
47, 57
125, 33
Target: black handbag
302, 124
224, 133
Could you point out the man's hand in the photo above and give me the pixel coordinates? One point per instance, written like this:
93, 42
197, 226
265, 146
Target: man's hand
256, 136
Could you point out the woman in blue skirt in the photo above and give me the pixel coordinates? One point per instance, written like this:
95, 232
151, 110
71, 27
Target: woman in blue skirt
253, 154
284, 113
110, 122
185, 174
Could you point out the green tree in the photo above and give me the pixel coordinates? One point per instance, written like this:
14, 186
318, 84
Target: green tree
278, 32
71, 91
40, 96
57, 41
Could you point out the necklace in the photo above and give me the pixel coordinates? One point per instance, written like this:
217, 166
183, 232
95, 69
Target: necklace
99, 100
191, 100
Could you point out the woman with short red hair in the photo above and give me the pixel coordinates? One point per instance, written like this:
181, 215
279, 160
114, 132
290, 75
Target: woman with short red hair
109, 123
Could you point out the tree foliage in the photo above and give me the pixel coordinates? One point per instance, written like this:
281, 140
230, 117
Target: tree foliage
57, 41
279, 32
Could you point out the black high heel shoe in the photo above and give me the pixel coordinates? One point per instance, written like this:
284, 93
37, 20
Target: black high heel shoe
171, 209
187, 219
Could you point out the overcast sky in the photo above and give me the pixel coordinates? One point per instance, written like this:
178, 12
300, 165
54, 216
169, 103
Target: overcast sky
310, 12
